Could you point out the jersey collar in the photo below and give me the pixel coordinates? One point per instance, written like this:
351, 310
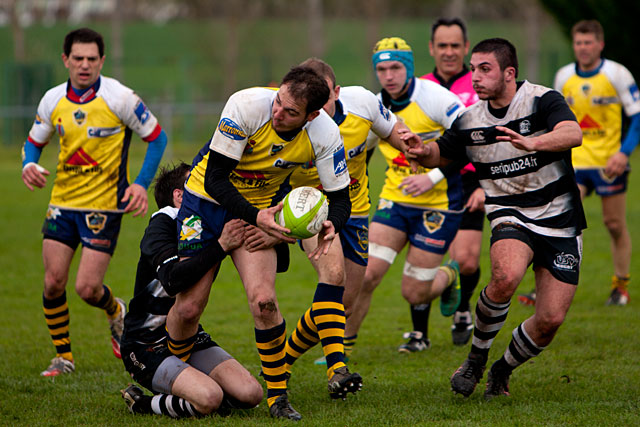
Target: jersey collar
82, 96
586, 74
339, 116
399, 104
452, 80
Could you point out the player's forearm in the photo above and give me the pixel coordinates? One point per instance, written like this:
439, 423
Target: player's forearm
632, 137
218, 186
394, 137
339, 208
152, 158
30, 153
430, 157
564, 136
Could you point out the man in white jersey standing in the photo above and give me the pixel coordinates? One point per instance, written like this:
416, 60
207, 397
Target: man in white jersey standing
519, 139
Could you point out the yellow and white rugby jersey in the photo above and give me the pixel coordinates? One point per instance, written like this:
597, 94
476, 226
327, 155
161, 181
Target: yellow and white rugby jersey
432, 110
95, 133
245, 133
597, 99
358, 111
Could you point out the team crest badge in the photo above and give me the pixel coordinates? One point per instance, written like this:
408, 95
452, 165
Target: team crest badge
96, 221
79, 116
363, 238
191, 228
586, 89
384, 204
276, 148
525, 127
432, 220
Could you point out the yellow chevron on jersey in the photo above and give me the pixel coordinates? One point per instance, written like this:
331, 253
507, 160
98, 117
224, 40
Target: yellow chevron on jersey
432, 110
597, 99
364, 113
92, 140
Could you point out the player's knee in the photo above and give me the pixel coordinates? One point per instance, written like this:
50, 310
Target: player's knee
54, 283
188, 311
253, 395
265, 308
469, 264
413, 297
370, 281
615, 226
89, 292
209, 400
549, 324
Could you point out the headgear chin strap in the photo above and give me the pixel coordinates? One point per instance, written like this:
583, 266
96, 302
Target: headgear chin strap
394, 49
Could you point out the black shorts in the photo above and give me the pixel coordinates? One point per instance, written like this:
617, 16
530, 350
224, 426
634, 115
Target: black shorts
560, 255
471, 220
145, 361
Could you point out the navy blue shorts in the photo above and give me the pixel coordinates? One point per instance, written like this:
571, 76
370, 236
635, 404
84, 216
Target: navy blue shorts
595, 179
429, 230
96, 230
354, 237
200, 222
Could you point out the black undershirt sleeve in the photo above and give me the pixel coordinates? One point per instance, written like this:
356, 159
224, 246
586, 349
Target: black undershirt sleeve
339, 207
160, 246
218, 186
554, 109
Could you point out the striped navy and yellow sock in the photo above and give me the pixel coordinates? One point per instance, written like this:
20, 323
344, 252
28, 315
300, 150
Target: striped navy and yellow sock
271, 344
302, 339
181, 348
349, 343
56, 314
327, 312
108, 303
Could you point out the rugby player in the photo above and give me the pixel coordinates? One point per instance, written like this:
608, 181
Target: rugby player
425, 213
94, 117
598, 90
519, 139
211, 378
243, 172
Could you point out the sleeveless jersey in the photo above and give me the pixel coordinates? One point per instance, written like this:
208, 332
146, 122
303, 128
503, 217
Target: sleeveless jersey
95, 133
360, 112
266, 161
537, 189
597, 98
432, 110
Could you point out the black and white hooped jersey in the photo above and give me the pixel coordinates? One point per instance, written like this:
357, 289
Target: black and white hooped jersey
534, 189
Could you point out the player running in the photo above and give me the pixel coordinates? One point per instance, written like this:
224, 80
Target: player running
94, 117
411, 209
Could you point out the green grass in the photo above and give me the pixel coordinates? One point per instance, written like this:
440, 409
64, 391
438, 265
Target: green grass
588, 376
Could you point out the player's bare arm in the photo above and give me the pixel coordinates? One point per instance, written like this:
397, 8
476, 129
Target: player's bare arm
34, 175
136, 194
564, 136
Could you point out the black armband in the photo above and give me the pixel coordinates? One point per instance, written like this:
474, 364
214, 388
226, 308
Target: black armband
218, 186
339, 207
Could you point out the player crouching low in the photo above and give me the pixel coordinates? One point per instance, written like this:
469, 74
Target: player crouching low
210, 379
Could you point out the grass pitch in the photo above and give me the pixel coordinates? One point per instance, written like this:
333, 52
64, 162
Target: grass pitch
588, 376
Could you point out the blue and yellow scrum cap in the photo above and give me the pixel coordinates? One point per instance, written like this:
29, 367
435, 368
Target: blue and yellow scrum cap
394, 49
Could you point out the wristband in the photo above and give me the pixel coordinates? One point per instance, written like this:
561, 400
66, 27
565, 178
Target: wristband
435, 175
38, 167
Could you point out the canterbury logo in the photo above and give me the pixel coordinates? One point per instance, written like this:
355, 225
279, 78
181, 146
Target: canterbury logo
477, 136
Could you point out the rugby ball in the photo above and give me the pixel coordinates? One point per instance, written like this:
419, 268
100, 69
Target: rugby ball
304, 211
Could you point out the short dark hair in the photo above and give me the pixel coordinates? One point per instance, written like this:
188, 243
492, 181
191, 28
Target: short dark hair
447, 22
83, 35
504, 51
321, 68
306, 84
588, 26
170, 177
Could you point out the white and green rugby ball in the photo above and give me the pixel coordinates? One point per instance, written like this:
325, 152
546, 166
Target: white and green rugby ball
304, 211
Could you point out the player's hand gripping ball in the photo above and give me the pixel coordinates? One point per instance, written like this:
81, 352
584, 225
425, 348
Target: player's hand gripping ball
304, 211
